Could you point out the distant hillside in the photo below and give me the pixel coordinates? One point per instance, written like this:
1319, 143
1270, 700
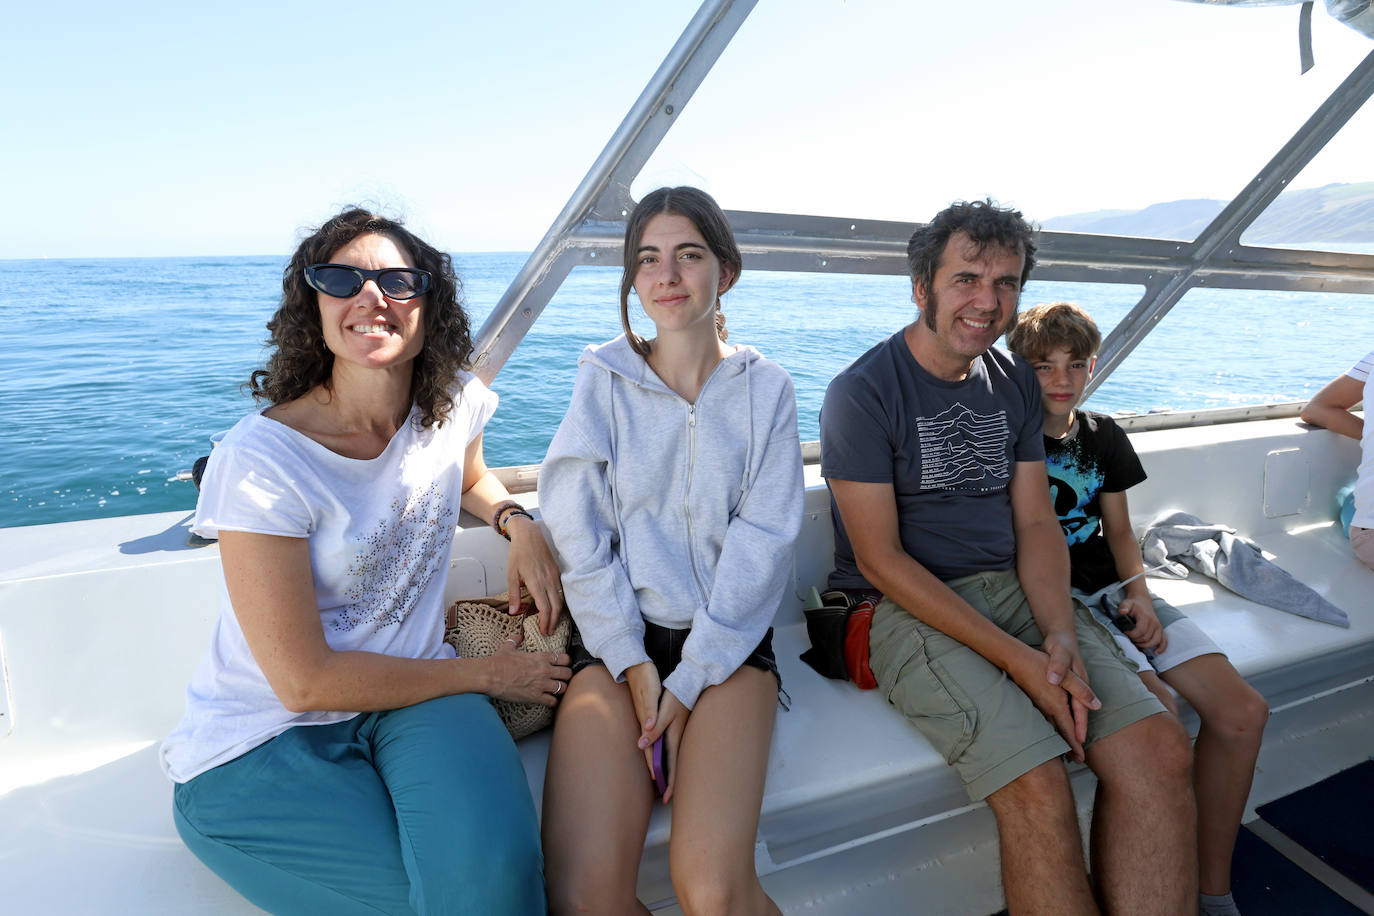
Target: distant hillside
1334, 213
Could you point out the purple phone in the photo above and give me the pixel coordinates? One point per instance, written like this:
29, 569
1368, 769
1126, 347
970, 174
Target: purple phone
660, 767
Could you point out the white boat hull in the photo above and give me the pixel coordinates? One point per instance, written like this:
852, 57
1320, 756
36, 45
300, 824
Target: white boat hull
102, 623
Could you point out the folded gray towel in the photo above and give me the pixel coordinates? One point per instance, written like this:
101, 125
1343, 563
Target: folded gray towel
1235, 562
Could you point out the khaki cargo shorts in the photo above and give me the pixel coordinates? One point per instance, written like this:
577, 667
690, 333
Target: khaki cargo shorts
969, 709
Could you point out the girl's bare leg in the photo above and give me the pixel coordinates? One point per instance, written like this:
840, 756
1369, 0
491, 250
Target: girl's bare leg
719, 788
597, 800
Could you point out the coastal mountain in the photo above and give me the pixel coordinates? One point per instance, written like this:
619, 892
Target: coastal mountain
1333, 213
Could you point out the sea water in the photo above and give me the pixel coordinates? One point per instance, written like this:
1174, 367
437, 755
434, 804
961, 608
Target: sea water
116, 372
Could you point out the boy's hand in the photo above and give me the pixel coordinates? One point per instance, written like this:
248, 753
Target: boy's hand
1147, 632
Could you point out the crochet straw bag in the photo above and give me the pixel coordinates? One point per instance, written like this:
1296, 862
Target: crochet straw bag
477, 627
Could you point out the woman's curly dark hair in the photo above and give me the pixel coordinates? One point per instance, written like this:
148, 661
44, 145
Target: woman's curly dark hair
300, 361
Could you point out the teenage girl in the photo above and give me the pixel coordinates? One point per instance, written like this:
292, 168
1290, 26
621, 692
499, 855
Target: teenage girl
673, 495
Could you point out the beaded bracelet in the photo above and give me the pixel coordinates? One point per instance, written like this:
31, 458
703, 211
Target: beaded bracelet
501, 509
518, 510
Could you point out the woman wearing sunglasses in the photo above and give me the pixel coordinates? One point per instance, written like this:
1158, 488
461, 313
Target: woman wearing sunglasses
673, 493
335, 756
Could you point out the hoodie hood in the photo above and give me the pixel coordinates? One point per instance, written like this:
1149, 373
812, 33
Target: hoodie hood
618, 357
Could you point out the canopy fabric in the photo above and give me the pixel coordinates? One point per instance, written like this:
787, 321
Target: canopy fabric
1358, 14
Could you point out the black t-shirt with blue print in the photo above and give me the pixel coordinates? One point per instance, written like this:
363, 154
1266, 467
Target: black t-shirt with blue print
1097, 458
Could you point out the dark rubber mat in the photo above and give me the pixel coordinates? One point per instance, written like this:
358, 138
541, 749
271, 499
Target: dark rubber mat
1334, 820
1264, 883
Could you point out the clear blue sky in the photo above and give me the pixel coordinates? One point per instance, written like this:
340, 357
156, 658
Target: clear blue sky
183, 128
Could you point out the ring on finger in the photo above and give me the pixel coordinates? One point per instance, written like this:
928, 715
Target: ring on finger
558, 691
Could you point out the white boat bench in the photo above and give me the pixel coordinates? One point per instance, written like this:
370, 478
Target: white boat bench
99, 636
846, 769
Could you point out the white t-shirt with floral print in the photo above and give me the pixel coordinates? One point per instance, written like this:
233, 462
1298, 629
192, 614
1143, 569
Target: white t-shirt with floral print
379, 531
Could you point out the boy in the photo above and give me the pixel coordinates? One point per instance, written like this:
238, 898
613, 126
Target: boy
1091, 464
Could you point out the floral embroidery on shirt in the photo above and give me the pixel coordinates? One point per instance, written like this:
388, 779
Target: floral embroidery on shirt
397, 561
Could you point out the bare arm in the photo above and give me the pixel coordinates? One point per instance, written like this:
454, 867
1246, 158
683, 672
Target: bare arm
1042, 566
1042, 556
1137, 604
530, 560
1330, 407
1116, 528
272, 592
869, 512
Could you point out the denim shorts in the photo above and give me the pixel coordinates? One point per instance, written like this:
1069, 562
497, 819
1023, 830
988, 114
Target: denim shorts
664, 647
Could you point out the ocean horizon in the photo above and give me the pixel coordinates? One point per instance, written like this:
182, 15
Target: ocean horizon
131, 364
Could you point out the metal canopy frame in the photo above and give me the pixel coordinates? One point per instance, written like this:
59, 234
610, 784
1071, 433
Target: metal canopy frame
591, 227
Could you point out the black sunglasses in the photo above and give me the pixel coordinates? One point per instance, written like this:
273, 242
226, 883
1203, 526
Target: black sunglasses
342, 281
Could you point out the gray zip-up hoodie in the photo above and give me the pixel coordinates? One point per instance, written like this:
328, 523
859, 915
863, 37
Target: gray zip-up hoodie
682, 514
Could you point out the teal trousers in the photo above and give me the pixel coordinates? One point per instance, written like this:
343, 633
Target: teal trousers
423, 809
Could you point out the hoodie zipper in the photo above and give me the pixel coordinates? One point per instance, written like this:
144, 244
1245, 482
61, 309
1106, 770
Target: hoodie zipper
702, 592
686, 496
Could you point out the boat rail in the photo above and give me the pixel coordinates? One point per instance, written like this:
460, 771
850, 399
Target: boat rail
590, 228
523, 478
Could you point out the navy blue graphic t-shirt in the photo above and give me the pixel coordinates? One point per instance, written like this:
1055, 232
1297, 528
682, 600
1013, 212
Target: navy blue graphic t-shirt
948, 448
1097, 458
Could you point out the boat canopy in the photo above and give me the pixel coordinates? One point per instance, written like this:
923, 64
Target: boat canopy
590, 227
1354, 13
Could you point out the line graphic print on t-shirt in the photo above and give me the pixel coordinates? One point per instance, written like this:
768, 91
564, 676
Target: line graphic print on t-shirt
961, 449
